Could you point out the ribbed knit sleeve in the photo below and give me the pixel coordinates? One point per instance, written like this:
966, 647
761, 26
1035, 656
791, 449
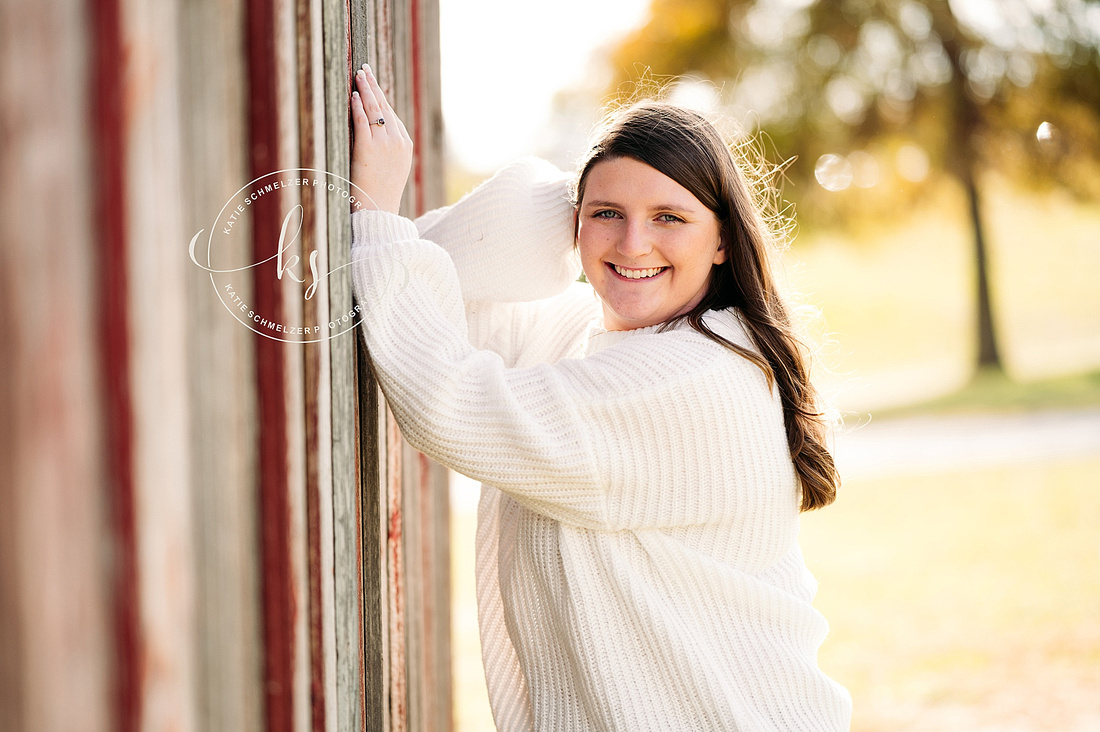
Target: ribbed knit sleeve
511, 242
511, 238
611, 441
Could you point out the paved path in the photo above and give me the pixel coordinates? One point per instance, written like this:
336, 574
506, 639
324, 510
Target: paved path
934, 443
914, 445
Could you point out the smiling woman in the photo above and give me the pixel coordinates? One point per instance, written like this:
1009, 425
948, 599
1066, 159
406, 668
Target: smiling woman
644, 444
647, 244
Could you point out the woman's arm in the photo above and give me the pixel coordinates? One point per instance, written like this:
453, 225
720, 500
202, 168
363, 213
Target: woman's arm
511, 238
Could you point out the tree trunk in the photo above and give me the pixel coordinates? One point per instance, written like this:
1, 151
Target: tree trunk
989, 355
963, 162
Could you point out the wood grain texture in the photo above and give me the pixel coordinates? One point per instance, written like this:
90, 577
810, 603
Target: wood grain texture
109, 129
56, 579
202, 528
316, 378
221, 369
351, 712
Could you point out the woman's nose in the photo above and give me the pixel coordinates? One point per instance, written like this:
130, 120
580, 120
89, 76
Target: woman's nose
634, 242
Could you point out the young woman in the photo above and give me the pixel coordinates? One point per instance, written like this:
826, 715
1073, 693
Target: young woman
645, 442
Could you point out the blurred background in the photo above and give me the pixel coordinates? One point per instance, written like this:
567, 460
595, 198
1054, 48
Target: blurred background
941, 163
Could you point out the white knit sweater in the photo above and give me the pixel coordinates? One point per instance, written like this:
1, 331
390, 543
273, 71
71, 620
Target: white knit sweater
637, 558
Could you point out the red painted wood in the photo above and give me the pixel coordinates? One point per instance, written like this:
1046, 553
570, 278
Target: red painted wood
109, 126
313, 365
395, 516
277, 594
313, 536
348, 60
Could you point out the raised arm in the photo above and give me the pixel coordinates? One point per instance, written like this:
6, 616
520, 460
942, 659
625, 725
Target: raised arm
510, 239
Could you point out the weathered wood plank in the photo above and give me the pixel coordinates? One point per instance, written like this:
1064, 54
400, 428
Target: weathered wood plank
427, 576
431, 161
221, 371
433, 187
375, 590
55, 585
286, 71
433, 614
317, 379
358, 698
157, 320
279, 435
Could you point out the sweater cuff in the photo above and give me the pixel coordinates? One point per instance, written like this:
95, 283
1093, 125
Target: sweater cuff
375, 227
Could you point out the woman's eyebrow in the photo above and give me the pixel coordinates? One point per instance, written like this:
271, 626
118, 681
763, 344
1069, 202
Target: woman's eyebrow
655, 207
601, 204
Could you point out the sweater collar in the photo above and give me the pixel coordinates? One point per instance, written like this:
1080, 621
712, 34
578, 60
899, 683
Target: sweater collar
725, 322
597, 338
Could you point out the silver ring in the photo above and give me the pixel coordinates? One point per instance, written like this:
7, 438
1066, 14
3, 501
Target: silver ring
379, 122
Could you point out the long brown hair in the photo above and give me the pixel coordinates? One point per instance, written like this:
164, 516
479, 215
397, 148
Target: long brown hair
687, 148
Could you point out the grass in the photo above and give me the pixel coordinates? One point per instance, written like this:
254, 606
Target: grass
968, 600
994, 391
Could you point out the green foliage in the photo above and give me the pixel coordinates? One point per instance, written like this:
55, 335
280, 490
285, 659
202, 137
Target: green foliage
899, 91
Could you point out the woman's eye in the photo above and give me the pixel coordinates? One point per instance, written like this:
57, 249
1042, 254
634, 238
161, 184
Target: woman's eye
669, 218
605, 214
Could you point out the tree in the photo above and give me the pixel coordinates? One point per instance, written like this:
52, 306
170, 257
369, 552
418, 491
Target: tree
1012, 86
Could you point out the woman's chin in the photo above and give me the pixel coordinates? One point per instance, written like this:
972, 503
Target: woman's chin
630, 319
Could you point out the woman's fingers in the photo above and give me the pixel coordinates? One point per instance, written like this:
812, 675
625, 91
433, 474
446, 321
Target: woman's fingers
381, 155
375, 105
385, 109
379, 95
358, 116
373, 102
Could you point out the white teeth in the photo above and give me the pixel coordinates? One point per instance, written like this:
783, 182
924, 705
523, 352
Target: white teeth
637, 274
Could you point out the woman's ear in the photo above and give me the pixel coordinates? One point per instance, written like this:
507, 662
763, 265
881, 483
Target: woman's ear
722, 254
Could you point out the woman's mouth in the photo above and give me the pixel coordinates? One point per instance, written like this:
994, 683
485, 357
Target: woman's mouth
636, 274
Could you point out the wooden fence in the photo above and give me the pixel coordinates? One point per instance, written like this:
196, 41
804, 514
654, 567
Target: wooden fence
204, 527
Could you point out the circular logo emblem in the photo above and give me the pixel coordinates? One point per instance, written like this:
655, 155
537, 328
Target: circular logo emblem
271, 286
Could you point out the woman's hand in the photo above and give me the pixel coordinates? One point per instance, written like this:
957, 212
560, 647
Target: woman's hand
381, 155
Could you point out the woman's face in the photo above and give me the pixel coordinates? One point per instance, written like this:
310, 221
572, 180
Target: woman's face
646, 243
